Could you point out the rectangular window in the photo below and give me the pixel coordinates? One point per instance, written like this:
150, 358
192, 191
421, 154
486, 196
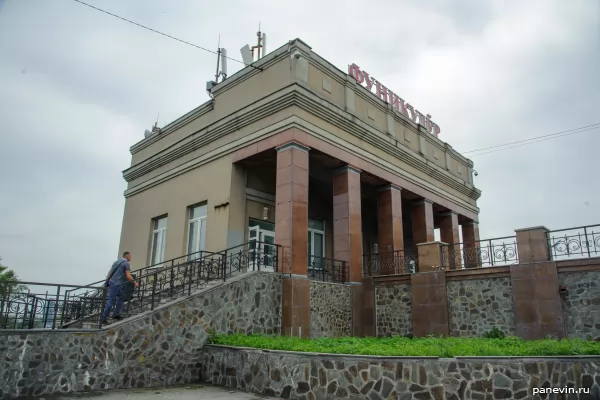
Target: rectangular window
159, 240
197, 232
316, 243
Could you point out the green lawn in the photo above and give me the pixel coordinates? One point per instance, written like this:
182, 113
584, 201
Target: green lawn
399, 346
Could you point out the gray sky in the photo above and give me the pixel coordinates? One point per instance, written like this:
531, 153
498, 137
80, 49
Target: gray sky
78, 88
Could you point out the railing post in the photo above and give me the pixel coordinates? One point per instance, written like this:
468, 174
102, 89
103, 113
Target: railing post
259, 251
224, 262
172, 281
154, 280
33, 312
56, 307
532, 245
189, 272
587, 242
104, 294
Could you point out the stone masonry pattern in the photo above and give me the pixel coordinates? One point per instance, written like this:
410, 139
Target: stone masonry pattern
158, 348
330, 310
393, 310
291, 375
479, 305
582, 303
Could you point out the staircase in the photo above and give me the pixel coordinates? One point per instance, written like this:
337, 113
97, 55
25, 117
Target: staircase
167, 282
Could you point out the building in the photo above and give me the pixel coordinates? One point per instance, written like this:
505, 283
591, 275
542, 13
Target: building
296, 152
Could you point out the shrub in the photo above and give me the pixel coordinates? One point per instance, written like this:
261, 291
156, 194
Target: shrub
494, 334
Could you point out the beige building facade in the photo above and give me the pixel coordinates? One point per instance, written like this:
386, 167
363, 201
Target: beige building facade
294, 151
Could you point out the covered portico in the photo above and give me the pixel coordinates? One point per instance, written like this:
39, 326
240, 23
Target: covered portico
331, 211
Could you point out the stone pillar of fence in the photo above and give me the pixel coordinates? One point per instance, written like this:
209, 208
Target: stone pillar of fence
430, 256
532, 244
471, 250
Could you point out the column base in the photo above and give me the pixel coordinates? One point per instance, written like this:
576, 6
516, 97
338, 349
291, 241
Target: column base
295, 307
363, 308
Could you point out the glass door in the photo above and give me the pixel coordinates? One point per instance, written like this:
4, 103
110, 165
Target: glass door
268, 252
261, 248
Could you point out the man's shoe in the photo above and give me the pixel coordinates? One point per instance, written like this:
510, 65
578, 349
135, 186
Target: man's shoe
117, 317
105, 322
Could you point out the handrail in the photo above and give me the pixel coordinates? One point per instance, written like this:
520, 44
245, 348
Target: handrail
394, 262
582, 241
480, 253
162, 264
68, 308
327, 270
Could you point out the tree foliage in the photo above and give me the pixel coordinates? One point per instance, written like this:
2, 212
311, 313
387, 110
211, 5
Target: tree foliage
9, 286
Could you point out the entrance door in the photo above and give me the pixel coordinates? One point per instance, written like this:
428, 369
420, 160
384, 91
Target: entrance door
262, 248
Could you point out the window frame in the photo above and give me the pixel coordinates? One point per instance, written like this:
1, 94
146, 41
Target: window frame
311, 244
161, 238
201, 233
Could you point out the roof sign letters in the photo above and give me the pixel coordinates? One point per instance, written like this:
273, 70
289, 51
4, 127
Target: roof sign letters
363, 77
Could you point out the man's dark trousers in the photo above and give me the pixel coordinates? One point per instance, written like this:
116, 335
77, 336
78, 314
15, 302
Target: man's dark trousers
115, 291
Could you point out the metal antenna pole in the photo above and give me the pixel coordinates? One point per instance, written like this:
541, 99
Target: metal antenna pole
218, 58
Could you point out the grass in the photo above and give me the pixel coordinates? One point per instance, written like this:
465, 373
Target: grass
400, 346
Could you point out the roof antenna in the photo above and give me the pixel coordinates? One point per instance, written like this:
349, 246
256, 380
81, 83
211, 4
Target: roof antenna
261, 48
156, 129
221, 68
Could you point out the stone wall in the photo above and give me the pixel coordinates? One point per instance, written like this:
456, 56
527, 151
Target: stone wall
156, 348
477, 306
483, 299
581, 304
330, 310
393, 310
290, 375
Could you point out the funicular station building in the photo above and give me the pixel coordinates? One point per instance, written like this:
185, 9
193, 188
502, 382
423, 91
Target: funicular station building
294, 153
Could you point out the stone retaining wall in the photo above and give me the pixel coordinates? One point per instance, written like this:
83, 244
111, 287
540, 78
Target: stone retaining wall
156, 348
393, 305
477, 306
582, 303
312, 376
330, 310
482, 299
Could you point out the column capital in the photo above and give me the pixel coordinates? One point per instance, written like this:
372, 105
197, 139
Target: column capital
470, 222
346, 168
447, 213
422, 201
293, 145
391, 186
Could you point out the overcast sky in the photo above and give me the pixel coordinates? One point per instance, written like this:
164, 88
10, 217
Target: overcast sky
78, 88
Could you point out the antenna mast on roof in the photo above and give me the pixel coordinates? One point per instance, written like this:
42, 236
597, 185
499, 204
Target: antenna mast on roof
261, 48
221, 68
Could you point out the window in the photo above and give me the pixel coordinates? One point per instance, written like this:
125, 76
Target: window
197, 231
262, 232
159, 239
316, 243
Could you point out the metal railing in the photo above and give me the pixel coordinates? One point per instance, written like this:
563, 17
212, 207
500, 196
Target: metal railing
35, 305
482, 253
389, 263
581, 242
327, 270
162, 265
69, 306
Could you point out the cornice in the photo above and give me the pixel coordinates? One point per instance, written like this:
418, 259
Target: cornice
173, 126
296, 95
299, 123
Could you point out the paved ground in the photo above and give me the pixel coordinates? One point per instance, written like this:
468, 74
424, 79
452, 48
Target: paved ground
191, 392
